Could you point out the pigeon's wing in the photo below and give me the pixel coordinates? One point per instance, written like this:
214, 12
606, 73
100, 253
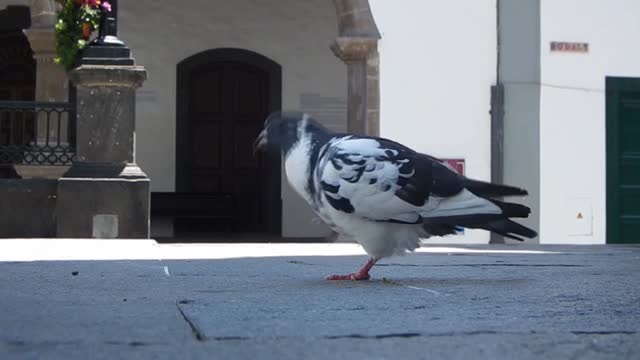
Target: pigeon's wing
382, 180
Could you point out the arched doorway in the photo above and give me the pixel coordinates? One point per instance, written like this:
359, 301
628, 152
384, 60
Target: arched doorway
223, 97
17, 83
17, 67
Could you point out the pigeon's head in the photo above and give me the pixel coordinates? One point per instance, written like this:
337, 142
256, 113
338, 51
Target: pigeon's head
282, 130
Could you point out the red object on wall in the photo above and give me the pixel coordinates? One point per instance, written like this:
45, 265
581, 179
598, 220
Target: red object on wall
456, 164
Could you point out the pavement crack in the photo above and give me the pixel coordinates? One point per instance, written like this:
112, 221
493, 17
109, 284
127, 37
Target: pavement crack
297, 262
605, 332
413, 334
229, 338
131, 343
380, 336
197, 334
469, 333
416, 334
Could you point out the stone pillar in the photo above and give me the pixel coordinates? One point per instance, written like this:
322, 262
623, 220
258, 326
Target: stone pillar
357, 46
373, 93
51, 78
104, 193
363, 92
51, 84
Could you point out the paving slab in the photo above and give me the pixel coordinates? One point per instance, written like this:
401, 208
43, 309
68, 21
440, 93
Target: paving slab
493, 302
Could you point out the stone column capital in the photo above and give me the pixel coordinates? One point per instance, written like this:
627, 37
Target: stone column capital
41, 40
350, 49
108, 76
355, 18
43, 44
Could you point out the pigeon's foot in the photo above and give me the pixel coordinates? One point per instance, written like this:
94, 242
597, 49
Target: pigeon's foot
354, 277
363, 274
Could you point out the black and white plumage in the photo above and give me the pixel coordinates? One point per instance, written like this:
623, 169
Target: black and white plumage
382, 194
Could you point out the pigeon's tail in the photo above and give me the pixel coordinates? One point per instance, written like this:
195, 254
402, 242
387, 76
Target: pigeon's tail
510, 210
509, 229
497, 223
486, 189
502, 226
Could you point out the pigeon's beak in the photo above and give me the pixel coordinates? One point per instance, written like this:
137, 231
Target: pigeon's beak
261, 141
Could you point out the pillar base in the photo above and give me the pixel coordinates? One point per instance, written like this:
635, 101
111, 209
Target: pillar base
102, 171
103, 208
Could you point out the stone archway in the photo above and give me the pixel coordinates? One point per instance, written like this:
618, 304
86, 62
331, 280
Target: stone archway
357, 46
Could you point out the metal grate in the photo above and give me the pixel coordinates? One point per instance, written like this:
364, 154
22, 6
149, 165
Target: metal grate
37, 133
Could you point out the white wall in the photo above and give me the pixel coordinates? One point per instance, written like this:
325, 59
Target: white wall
572, 114
295, 34
438, 60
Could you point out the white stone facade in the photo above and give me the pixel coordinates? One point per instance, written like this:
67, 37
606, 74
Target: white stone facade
438, 61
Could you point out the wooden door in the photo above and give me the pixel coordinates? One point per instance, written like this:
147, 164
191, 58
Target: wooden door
623, 160
227, 106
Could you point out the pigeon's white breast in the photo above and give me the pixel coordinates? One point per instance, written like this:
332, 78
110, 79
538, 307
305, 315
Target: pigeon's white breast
378, 238
296, 167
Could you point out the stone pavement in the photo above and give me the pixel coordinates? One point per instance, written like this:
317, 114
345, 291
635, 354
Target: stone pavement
137, 299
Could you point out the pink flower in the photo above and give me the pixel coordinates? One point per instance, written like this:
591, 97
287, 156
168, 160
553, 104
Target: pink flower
106, 5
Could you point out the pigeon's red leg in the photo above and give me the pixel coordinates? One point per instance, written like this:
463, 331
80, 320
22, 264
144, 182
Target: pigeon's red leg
363, 274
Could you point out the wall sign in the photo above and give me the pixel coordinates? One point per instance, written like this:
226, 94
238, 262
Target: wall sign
458, 166
572, 47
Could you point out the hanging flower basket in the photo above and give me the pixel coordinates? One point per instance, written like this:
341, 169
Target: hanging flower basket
77, 21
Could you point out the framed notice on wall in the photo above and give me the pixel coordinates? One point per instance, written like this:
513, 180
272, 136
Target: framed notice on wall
455, 164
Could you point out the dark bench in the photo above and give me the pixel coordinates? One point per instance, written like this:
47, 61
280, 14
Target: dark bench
192, 208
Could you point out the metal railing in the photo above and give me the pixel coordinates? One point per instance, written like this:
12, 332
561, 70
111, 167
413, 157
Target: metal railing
37, 133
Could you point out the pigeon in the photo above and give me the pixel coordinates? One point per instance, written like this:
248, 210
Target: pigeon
382, 194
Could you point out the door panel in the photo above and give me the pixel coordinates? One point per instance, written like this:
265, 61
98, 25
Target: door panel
207, 154
623, 160
629, 117
228, 107
244, 158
